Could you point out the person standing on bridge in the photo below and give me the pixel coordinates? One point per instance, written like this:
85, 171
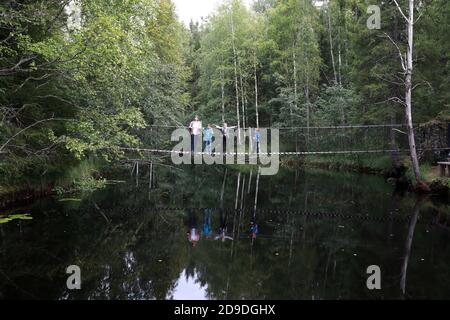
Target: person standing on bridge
225, 134
257, 139
207, 138
195, 128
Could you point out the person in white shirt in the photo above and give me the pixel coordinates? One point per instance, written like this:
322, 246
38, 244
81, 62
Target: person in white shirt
195, 127
225, 132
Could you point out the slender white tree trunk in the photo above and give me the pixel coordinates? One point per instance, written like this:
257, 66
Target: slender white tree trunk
331, 43
339, 57
294, 62
236, 78
307, 85
242, 94
294, 58
408, 94
222, 84
256, 93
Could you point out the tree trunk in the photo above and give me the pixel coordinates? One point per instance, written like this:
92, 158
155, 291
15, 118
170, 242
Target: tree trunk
223, 95
236, 78
307, 90
408, 94
331, 44
294, 61
256, 95
242, 94
340, 58
294, 58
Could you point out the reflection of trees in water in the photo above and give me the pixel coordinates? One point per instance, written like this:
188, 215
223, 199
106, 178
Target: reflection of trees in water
408, 244
141, 254
118, 260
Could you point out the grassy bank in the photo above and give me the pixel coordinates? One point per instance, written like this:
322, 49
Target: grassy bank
44, 179
382, 165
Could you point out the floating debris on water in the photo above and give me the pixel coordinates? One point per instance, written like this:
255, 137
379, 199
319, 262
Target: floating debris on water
12, 217
69, 199
113, 182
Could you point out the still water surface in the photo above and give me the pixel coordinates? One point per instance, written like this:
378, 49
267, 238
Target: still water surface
317, 232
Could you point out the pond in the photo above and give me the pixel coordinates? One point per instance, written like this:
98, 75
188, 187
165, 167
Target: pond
196, 235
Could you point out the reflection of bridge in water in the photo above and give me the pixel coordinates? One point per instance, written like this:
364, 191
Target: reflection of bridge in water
439, 221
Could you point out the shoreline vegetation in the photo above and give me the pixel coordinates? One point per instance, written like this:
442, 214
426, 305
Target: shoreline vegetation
402, 176
88, 176
84, 177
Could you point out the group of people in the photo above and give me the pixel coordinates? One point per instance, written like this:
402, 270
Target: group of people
194, 234
196, 130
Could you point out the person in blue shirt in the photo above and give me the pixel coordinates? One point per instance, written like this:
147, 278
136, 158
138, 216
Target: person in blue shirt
207, 223
254, 229
257, 139
254, 226
207, 138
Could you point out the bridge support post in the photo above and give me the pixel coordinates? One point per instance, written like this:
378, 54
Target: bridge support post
150, 176
137, 173
132, 170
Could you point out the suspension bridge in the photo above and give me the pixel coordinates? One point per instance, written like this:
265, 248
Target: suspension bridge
306, 141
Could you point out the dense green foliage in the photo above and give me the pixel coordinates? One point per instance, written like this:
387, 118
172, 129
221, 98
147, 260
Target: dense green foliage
83, 78
80, 79
320, 65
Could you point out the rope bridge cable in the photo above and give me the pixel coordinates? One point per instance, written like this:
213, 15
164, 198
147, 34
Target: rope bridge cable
277, 212
304, 128
303, 141
276, 153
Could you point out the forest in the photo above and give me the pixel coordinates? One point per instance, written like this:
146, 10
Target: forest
81, 79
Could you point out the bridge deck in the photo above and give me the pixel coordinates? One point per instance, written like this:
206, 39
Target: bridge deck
254, 154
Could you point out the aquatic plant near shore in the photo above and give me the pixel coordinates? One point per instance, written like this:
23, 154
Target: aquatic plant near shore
9, 218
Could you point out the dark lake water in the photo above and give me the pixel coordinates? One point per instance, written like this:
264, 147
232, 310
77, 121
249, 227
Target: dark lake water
317, 233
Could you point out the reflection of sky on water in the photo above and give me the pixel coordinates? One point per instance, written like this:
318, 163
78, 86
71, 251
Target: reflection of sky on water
188, 288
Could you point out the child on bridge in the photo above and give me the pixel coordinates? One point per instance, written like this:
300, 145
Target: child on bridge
225, 132
207, 138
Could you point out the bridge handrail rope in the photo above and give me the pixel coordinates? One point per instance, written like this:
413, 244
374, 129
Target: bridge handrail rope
313, 128
276, 153
284, 211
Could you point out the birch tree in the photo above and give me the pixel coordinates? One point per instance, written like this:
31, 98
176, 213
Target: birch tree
407, 65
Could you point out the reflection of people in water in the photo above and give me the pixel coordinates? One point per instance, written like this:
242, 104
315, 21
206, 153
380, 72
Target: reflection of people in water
193, 233
207, 223
222, 235
254, 229
254, 226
